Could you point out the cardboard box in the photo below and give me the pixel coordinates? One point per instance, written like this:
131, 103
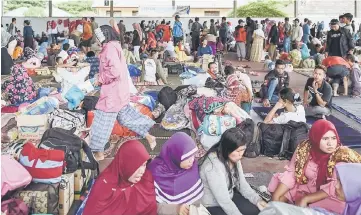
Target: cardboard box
79, 182
66, 193
32, 126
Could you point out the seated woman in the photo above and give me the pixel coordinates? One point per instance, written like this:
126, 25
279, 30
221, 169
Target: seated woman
181, 52
129, 56
310, 177
125, 186
143, 50
204, 49
347, 189
305, 53
239, 88
292, 112
317, 96
212, 42
355, 75
176, 176
296, 56
226, 191
19, 88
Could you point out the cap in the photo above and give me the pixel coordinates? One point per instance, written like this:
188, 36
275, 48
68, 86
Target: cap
334, 21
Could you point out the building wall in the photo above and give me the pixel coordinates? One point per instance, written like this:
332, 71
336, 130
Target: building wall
200, 12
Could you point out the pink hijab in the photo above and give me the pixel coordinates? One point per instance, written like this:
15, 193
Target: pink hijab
136, 27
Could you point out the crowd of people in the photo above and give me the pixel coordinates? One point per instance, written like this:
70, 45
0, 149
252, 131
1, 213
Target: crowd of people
321, 178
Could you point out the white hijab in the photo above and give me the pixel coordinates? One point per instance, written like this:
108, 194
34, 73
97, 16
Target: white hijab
259, 31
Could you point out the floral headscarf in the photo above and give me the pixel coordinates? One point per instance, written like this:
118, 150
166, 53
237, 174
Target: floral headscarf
20, 87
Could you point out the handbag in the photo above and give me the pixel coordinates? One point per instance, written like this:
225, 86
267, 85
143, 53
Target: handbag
67, 119
200, 210
45, 166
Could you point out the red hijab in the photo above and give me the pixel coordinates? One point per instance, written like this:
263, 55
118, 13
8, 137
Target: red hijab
114, 194
152, 42
320, 128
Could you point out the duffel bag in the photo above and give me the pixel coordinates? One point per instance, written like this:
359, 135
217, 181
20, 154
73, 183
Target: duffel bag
71, 144
270, 137
13, 175
216, 125
41, 198
45, 166
67, 119
295, 133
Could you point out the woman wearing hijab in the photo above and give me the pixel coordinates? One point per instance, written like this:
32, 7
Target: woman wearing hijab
20, 87
114, 100
28, 34
257, 45
152, 42
125, 187
114, 26
7, 50
137, 38
175, 172
310, 177
348, 189
226, 191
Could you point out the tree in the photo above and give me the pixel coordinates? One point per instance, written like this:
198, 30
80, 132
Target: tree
75, 7
10, 5
261, 8
35, 12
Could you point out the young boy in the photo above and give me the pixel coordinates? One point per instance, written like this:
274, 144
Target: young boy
64, 53
268, 63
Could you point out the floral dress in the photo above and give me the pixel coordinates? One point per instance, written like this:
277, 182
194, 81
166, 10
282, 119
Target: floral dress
20, 87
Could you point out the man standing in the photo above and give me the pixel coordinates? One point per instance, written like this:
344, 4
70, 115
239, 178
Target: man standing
12, 28
122, 31
177, 30
94, 26
306, 28
251, 26
240, 35
213, 28
339, 41
348, 19
196, 33
223, 32
297, 32
288, 33
86, 36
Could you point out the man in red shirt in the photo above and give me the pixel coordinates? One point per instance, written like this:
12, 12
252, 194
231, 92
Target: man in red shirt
86, 36
240, 35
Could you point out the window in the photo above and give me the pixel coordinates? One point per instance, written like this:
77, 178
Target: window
211, 13
106, 2
115, 13
134, 13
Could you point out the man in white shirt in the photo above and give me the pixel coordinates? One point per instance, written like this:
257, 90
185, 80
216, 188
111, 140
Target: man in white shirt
297, 32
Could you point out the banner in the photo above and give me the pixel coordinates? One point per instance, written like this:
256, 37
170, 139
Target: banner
181, 10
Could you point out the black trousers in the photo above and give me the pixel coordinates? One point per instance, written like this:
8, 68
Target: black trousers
195, 42
244, 206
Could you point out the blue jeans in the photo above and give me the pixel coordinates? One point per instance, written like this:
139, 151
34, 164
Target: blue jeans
246, 106
287, 44
306, 39
272, 85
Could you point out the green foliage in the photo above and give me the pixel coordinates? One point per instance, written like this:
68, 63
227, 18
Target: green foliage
261, 8
10, 5
75, 7
35, 12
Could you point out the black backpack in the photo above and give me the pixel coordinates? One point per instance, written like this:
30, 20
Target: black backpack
278, 139
71, 144
167, 97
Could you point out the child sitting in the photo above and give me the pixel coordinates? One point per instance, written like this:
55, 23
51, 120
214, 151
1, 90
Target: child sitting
239, 88
267, 63
284, 56
94, 64
18, 51
64, 52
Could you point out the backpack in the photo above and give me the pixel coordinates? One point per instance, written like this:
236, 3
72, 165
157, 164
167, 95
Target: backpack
71, 144
278, 139
167, 97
